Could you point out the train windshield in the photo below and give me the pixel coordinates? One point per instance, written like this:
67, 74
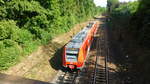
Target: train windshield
71, 57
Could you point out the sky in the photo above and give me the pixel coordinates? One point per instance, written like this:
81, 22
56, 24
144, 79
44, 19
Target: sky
103, 3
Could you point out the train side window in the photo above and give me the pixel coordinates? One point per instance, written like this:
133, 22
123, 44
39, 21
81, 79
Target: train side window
71, 54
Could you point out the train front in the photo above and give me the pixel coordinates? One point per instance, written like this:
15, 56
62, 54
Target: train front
70, 55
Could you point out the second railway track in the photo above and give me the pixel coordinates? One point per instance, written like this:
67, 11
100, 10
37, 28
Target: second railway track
100, 74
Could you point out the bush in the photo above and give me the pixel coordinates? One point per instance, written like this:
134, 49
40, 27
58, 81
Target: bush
9, 54
7, 29
23, 36
29, 46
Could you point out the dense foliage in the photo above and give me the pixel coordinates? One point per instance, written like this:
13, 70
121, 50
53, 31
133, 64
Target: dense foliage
25, 24
140, 24
111, 4
131, 22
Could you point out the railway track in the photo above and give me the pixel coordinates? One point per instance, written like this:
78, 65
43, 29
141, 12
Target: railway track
100, 74
68, 77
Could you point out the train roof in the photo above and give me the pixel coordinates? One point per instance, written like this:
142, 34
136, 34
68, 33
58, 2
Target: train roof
78, 39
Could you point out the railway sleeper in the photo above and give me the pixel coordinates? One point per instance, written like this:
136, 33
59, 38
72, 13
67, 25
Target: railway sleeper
68, 77
100, 75
100, 72
68, 81
100, 80
100, 83
102, 69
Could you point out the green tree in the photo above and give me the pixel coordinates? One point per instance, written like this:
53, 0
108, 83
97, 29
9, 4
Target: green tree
112, 4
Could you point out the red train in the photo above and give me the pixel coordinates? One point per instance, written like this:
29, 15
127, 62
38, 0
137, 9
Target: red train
76, 51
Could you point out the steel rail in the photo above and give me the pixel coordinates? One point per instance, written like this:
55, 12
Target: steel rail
99, 42
95, 69
106, 57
